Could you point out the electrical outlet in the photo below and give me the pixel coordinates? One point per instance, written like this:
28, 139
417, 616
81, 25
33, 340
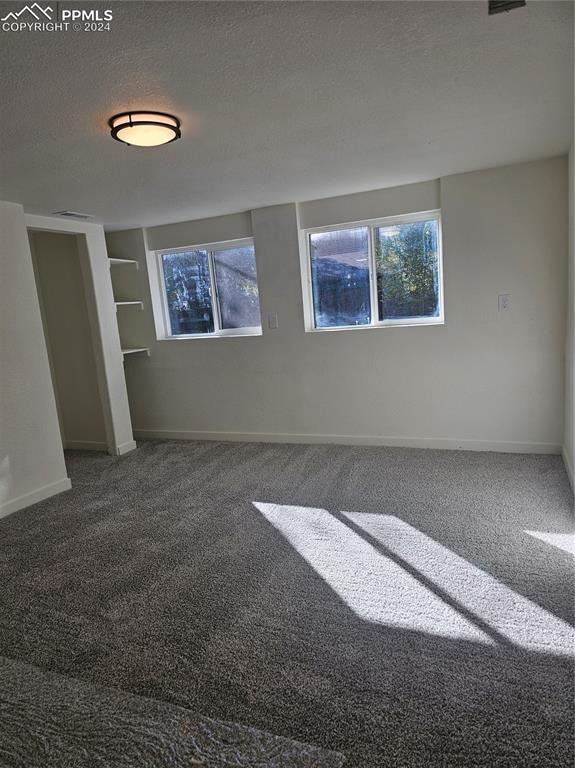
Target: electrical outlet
273, 320
504, 302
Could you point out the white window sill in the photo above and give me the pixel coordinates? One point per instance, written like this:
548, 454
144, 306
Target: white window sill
204, 336
386, 324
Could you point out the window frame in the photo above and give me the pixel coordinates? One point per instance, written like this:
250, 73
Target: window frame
218, 332
371, 224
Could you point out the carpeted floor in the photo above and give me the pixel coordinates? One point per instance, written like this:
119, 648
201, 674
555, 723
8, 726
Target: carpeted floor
54, 721
404, 607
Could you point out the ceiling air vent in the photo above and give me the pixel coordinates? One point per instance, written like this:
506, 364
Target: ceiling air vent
73, 214
501, 6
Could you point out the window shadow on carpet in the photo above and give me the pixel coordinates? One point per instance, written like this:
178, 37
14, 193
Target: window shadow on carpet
388, 572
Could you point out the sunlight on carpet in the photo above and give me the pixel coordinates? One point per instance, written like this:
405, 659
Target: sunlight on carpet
374, 587
390, 573
564, 541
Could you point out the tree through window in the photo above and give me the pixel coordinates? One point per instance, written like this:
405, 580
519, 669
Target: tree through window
380, 273
211, 290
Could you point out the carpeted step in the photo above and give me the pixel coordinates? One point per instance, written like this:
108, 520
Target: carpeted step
48, 720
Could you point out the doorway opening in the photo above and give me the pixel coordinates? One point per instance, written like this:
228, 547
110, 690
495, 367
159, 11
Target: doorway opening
62, 292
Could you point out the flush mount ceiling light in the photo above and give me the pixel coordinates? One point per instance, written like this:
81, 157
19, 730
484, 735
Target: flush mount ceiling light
145, 129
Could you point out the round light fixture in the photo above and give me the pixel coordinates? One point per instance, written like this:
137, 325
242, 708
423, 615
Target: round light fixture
145, 129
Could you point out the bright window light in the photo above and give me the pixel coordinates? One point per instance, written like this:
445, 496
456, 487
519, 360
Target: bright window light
564, 541
375, 588
388, 572
514, 617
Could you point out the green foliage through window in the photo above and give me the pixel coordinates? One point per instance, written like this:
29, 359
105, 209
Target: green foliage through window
407, 270
374, 273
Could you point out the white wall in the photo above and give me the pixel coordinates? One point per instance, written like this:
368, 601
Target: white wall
66, 323
234, 226
484, 380
103, 325
569, 434
31, 457
368, 205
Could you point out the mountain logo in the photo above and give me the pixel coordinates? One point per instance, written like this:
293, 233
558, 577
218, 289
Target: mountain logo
35, 9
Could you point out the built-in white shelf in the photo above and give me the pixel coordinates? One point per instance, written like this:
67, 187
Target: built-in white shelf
120, 304
126, 304
124, 261
134, 350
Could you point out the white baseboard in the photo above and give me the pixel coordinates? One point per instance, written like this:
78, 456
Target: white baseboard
92, 445
568, 467
397, 442
27, 499
85, 445
126, 447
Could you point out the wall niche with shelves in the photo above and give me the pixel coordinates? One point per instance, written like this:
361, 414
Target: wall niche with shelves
129, 306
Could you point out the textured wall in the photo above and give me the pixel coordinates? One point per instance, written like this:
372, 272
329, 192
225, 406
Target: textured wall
279, 101
31, 459
483, 380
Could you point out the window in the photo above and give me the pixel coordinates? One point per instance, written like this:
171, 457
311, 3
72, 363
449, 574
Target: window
340, 277
210, 290
378, 273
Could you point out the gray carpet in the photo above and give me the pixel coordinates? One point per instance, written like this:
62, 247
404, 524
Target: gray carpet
404, 607
52, 721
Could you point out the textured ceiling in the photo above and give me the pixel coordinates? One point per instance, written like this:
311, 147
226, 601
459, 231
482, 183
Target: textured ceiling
279, 101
